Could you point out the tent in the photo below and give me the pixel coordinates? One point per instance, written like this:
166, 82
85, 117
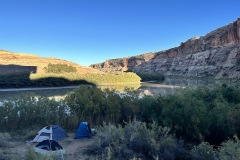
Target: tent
83, 131
53, 132
49, 147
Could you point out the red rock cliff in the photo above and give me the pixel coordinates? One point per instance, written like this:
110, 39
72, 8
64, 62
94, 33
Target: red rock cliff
222, 44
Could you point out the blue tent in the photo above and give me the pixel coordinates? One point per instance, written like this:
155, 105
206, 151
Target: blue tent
52, 132
84, 131
58, 133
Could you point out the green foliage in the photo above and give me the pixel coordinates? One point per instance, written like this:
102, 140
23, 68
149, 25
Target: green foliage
106, 78
64, 79
228, 150
135, 140
111, 78
32, 155
30, 112
203, 151
4, 141
85, 102
59, 68
238, 62
150, 109
186, 115
14, 80
196, 115
151, 76
89, 103
209, 115
24, 80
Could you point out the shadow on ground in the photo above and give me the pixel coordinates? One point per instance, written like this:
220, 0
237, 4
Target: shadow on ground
17, 76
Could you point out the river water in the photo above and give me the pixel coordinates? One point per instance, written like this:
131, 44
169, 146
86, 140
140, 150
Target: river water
169, 86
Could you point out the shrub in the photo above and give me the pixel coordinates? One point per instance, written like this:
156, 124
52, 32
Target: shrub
238, 62
34, 112
32, 155
151, 76
51, 79
200, 114
194, 115
59, 68
203, 151
230, 150
135, 140
4, 140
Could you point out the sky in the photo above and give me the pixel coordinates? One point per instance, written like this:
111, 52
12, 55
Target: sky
92, 31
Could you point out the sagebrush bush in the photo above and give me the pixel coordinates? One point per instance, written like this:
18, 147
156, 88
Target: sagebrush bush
203, 151
228, 150
32, 155
134, 140
4, 140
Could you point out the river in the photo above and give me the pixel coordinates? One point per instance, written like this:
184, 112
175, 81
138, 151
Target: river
169, 86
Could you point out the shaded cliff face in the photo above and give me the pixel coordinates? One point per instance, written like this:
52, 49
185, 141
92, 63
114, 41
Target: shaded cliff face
217, 54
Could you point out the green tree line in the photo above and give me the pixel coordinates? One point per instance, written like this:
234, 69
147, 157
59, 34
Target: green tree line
63, 79
204, 116
151, 76
195, 115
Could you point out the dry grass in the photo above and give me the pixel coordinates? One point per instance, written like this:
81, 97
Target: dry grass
22, 59
75, 147
10, 148
16, 147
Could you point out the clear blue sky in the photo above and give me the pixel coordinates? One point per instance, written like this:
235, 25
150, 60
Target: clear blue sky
91, 31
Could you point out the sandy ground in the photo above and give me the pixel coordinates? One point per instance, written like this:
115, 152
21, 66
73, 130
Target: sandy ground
74, 148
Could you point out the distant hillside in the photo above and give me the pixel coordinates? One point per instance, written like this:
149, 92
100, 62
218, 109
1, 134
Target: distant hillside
217, 54
26, 70
31, 60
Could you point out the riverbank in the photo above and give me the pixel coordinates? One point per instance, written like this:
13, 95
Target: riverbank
36, 88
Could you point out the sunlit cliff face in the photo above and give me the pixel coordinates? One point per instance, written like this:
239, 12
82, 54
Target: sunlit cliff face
213, 55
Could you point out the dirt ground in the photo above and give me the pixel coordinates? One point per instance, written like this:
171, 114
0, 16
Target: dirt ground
74, 148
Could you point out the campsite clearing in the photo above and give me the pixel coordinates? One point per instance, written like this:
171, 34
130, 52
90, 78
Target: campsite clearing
10, 148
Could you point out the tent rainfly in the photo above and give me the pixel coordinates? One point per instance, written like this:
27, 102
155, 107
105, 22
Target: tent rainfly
49, 147
83, 131
52, 132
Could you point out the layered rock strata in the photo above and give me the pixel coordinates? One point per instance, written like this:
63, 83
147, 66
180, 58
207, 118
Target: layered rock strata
217, 54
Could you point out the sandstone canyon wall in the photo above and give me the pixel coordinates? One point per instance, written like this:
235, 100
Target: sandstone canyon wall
217, 54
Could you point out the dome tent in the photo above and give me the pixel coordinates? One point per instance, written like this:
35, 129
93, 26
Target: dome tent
83, 131
49, 147
53, 132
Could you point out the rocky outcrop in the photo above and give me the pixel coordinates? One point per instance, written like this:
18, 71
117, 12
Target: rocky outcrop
123, 64
217, 54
